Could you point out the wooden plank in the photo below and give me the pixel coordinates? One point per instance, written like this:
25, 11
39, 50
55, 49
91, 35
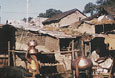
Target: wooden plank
3, 56
8, 53
14, 59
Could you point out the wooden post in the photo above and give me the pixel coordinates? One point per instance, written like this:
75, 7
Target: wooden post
90, 48
14, 59
73, 57
77, 69
8, 53
103, 28
82, 48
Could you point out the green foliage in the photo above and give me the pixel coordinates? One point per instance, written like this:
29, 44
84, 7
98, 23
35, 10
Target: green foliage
24, 19
100, 2
29, 19
89, 8
50, 13
95, 8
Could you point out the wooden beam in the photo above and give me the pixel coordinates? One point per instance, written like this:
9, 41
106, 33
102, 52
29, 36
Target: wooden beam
8, 53
4, 56
14, 58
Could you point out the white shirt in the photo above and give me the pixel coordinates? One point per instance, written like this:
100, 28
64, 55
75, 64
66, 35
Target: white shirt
106, 64
94, 57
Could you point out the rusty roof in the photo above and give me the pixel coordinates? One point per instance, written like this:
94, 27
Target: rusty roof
58, 34
60, 16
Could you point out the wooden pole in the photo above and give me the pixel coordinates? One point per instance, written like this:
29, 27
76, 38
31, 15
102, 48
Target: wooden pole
73, 50
8, 53
14, 59
73, 57
82, 48
77, 69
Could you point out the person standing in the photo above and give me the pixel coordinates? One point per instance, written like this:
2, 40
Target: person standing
32, 58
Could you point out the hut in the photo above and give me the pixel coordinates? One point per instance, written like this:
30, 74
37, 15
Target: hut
59, 44
100, 29
54, 46
64, 19
7, 44
59, 41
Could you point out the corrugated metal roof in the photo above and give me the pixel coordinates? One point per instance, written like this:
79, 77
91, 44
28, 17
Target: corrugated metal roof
65, 33
58, 34
27, 27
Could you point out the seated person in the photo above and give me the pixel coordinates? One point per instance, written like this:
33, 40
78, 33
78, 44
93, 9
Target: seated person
103, 64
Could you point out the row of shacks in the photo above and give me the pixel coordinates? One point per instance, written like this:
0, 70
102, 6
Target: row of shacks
63, 35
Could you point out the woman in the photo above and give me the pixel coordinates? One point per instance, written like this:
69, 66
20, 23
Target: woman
32, 59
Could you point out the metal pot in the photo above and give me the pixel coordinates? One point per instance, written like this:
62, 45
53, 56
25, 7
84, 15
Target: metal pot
83, 63
33, 51
32, 43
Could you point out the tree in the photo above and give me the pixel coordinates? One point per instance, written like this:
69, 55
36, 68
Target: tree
24, 19
105, 2
42, 15
50, 13
90, 8
100, 4
29, 19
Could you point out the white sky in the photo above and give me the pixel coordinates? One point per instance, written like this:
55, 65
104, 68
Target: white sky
16, 9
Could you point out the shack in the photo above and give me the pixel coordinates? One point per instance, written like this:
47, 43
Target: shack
64, 19
55, 48
99, 32
7, 44
60, 45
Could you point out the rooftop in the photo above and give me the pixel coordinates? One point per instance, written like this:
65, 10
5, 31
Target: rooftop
105, 21
60, 16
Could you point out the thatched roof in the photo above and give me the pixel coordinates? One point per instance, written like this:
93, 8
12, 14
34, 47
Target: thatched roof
93, 19
60, 32
96, 22
60, 16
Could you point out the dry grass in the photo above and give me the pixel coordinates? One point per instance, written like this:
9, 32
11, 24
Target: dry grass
52, 28
95, 21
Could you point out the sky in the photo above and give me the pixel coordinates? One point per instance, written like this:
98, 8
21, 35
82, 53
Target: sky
16, 9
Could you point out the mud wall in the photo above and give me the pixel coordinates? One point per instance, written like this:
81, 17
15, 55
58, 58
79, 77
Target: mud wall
52, 44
